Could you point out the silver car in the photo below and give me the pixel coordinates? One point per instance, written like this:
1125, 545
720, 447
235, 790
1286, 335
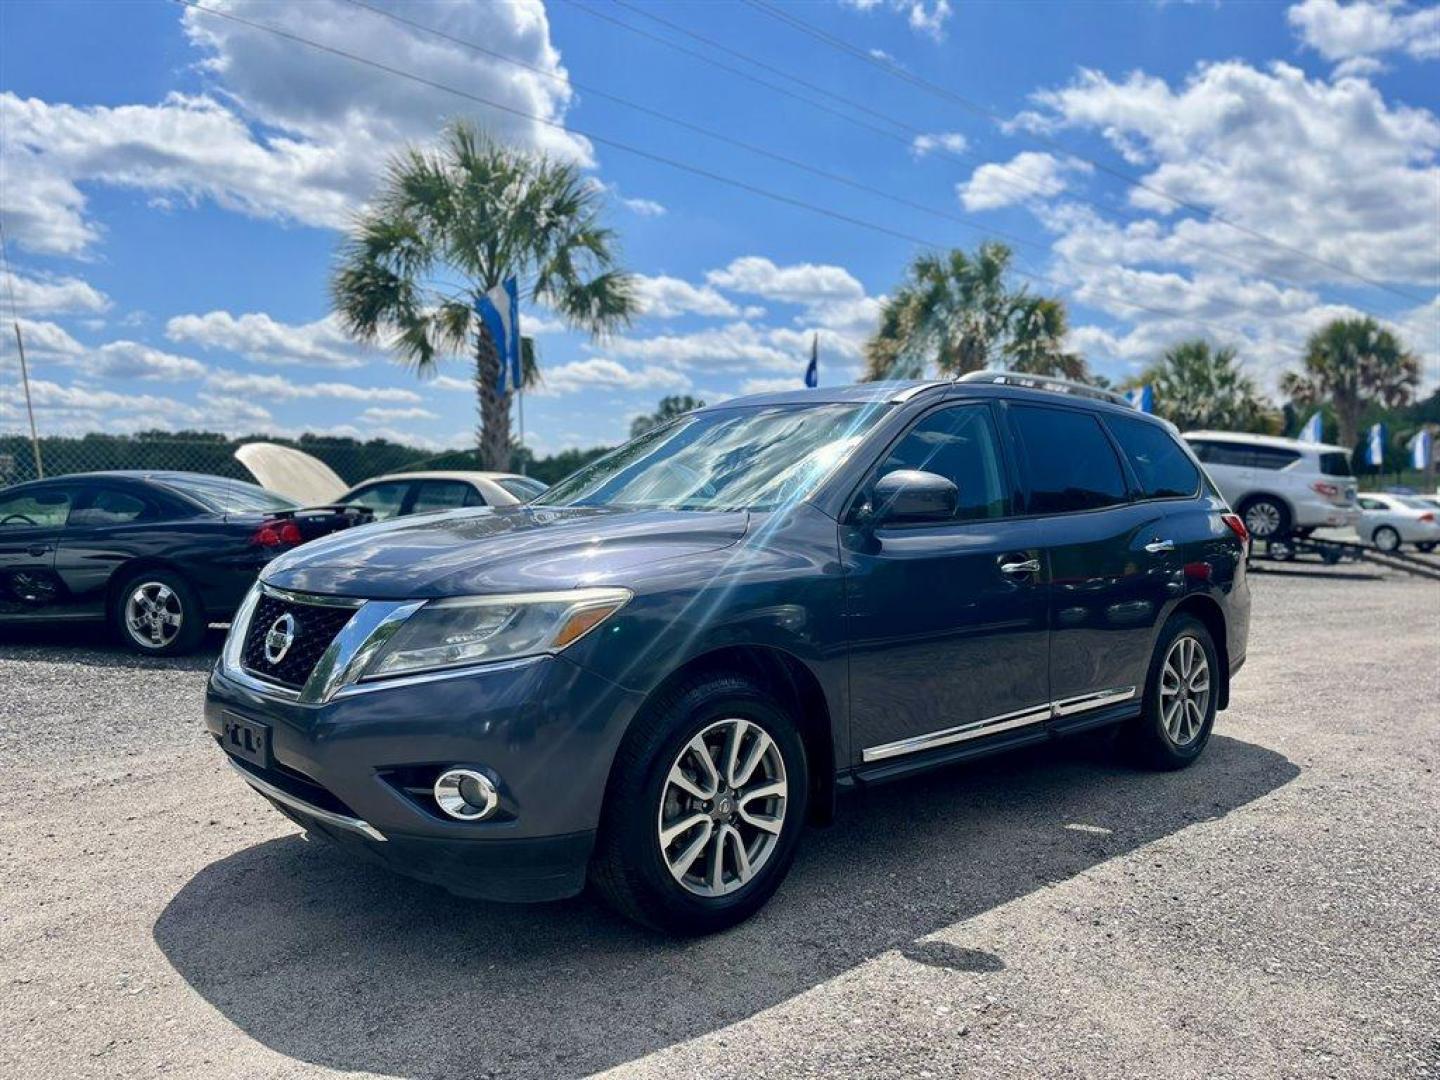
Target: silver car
399, 494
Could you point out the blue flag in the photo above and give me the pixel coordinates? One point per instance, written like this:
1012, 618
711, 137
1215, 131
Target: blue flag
1312, 431
1142, 398
1422, 449
812, 371
1375, 450
499, 310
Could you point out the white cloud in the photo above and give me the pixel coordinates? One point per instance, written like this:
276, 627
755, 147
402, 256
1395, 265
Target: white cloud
923, 16
44, 340
665, 297
328, 123
132, 360
279, 388
48, 295
259, 338
1329, 169
772, 386
1028, 175
802, 283
384, 414
78, 408
950, 141
601, 373
644, 207
1343, 31
734, 346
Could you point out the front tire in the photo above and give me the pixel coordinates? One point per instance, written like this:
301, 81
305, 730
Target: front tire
158, 613
1386, 538
705, 807
1426, 546
1182, 691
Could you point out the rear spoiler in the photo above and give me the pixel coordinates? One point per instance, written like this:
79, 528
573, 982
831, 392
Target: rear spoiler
329, 508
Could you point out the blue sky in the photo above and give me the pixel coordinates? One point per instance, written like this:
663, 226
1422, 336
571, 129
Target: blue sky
173, 187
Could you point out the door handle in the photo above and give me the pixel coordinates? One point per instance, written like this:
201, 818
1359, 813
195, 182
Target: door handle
1029, 566
1158, 547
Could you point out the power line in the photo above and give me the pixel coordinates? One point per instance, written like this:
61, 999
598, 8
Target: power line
1021, 182
895, 71
741, 185
804, 166
9, 273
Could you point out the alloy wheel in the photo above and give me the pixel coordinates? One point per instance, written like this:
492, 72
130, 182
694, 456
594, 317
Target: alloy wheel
722, 808
1184, 690
1387, 539
153, 615
1262, 519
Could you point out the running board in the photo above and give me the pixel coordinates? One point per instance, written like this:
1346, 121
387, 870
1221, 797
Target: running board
993, 725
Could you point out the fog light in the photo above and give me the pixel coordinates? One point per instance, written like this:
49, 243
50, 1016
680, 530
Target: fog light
466, 795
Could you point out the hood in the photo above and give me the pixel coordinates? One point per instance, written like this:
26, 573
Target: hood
497, 550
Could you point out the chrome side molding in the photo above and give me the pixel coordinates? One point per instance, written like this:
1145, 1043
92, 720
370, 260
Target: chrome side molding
991, 725
340, 821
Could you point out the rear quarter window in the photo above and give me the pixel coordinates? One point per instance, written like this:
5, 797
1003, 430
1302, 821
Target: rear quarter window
1164, 470
1335, 464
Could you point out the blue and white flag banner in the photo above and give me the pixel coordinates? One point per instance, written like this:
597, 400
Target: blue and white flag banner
1313, 431
812, 370
1375, 448
499, 310
1422, 449
1142, 398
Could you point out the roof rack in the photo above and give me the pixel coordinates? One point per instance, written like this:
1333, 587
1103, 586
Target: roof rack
1044, 382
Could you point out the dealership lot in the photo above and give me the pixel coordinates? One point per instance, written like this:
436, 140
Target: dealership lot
1270, 912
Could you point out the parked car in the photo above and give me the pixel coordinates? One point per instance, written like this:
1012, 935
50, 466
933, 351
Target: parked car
1279, 487
157, 555
1388, 521
399, 494
652, 676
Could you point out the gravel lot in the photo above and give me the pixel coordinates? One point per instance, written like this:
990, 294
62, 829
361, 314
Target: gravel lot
1272, 912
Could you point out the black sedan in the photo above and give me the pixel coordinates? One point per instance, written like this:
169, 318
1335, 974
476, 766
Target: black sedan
157, 555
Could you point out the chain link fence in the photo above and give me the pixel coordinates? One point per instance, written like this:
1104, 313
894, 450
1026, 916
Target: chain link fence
202, 452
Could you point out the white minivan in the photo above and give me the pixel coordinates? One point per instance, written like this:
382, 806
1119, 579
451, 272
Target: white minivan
1280, 487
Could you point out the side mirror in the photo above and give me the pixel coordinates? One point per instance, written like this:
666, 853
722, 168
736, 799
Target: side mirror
909, 495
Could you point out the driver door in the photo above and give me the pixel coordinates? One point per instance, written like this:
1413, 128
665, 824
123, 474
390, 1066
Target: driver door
948, 620
31, 521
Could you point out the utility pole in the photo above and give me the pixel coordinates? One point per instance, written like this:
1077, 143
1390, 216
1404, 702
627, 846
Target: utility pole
29, 407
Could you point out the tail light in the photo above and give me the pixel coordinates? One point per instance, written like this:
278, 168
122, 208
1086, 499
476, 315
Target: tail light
1330, 491
1428, 517
277, 533
1237, 526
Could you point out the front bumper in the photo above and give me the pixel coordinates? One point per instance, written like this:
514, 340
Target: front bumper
544, 729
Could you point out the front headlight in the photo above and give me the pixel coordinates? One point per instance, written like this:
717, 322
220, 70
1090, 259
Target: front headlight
463, 630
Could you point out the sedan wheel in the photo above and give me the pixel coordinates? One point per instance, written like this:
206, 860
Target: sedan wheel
1184, 690
723, 807
154, 615
1386, 538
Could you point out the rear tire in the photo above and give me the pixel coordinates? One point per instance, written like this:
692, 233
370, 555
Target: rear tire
1182, 691
158, 613
1266, 517
647, 879
1426, 546
1386, 538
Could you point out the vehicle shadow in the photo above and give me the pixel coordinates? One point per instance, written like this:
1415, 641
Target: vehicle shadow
344, 965
94, 645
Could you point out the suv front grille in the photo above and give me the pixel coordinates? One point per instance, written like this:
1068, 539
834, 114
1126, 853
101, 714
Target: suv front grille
315, 627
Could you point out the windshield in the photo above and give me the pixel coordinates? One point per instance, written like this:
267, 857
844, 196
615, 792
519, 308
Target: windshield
728, 459
521, 487
222, 496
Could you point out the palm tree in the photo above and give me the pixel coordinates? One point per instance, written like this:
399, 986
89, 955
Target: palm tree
1200, 387
1353, 363
453, 222
958, 310
671, 406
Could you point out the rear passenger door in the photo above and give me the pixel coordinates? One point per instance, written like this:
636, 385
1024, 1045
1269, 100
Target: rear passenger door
1111, 565
109, 525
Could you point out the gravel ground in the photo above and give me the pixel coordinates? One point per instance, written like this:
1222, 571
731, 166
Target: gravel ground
1271, 912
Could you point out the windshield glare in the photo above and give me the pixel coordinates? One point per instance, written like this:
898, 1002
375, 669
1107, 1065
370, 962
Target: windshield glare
222, 496
729, 459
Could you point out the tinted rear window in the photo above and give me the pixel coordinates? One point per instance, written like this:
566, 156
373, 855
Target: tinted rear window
1335, 464
1162, 467
223, 496
1070, 463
